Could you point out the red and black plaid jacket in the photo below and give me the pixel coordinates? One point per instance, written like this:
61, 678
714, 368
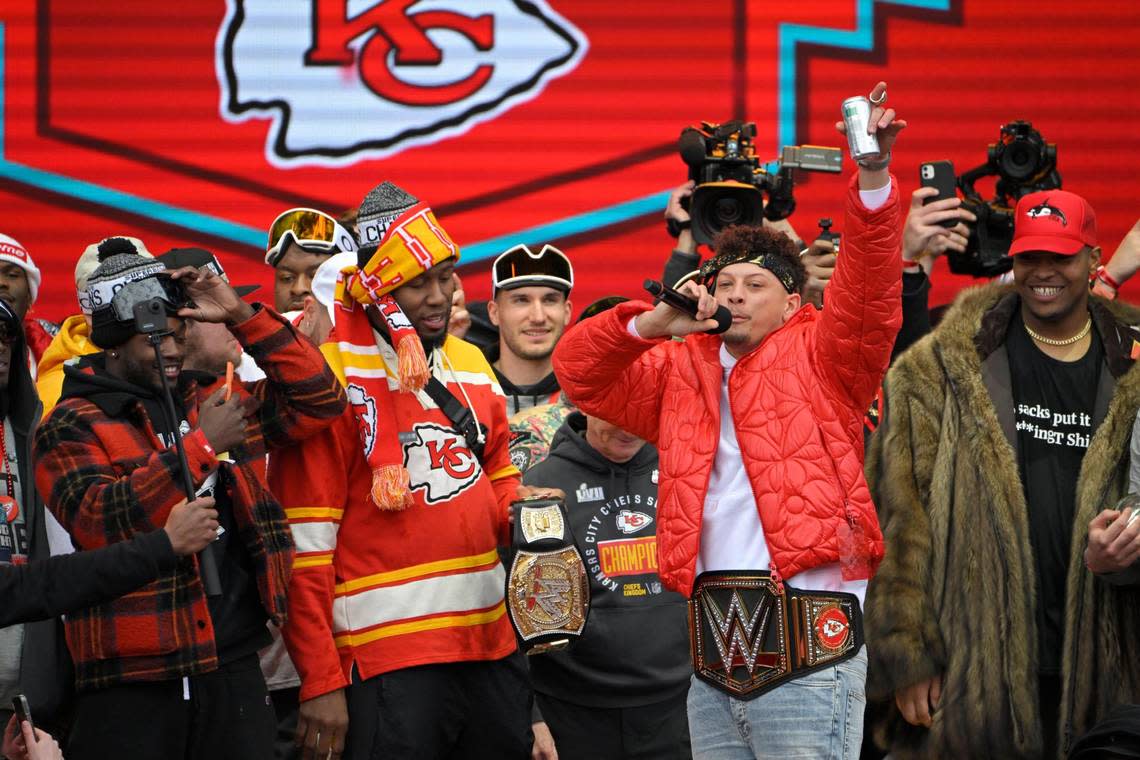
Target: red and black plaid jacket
106, 476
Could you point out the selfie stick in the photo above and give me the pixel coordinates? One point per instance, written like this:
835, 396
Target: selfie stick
207, 564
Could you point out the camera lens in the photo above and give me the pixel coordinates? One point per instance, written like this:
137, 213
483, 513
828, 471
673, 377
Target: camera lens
1019, 161
727, 211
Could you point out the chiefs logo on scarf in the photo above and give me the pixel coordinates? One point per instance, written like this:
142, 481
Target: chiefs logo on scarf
364, 409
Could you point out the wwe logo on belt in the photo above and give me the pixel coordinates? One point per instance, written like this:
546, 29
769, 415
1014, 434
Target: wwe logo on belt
552, 595
344, 81
735, 632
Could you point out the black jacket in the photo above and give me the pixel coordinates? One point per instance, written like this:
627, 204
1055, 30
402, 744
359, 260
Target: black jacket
520, 397
635, 649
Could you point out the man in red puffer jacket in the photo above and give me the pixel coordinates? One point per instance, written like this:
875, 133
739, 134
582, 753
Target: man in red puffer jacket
765, 519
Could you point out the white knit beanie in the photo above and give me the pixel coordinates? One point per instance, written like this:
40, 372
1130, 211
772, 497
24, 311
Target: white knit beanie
11, 252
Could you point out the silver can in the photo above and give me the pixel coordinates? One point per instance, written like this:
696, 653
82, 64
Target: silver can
857, 115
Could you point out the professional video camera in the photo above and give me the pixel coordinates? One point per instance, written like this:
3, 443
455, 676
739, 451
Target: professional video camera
1023, 163
731, 181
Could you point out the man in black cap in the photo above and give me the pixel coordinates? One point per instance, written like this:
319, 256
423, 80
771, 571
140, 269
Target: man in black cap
531, 308
209, 345
107, 464
399, 627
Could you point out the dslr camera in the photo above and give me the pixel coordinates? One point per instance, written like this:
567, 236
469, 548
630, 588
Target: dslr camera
731, 181
1023, 163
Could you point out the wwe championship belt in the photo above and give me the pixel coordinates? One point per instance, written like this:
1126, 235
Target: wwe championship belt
548, 592
750, 634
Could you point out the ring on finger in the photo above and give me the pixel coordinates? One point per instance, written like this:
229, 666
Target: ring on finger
880, 101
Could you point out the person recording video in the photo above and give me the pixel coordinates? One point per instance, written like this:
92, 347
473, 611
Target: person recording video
36, 588
108, 465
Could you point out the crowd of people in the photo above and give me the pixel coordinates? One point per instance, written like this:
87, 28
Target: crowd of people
839, 527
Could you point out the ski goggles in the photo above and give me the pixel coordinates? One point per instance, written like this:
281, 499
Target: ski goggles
307, 228
519, 267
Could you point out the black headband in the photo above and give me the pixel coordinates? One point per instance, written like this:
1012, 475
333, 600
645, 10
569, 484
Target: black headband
777, 265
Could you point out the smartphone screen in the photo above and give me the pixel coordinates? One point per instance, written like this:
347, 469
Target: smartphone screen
939, 175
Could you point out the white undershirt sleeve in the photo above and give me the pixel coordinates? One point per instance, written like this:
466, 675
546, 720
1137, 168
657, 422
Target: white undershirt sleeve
872, 199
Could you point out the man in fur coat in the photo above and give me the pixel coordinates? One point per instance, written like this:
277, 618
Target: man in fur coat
1004, 619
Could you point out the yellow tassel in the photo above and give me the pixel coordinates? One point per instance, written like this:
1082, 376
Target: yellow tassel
390, 487
414, 372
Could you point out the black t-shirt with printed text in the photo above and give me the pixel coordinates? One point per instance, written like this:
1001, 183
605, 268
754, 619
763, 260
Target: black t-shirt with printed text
1053, 407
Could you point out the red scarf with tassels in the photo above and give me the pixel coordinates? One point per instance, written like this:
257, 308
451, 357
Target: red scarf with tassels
412, 244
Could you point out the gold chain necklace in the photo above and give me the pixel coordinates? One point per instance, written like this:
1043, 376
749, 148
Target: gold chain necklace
1066, 342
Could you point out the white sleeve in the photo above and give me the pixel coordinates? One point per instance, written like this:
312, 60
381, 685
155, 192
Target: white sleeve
872, 199
632, 327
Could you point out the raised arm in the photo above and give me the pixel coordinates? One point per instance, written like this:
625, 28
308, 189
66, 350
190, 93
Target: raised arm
299, 395
862, 308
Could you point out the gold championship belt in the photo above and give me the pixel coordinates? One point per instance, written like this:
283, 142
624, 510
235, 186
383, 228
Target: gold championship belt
548, 592
749, 634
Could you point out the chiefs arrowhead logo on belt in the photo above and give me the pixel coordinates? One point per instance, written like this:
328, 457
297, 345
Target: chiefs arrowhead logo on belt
832, 628
344, 81
439, 462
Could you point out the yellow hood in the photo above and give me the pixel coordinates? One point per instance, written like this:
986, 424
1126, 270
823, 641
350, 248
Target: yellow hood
71, 342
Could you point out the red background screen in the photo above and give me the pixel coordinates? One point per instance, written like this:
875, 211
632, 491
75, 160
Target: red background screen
547, 122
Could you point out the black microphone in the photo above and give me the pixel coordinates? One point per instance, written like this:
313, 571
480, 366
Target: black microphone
691, 146
682, 302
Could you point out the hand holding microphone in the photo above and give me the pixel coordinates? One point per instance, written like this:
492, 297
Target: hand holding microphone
692, 309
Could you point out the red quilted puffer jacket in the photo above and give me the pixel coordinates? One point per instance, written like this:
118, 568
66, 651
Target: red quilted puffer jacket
798, 401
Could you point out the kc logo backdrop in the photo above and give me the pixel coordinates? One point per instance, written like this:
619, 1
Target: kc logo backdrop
519, 121
346, 81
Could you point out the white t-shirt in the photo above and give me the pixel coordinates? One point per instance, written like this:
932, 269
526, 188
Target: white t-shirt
732, 536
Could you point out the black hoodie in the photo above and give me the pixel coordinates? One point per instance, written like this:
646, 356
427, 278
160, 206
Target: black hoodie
635, 649
520, 397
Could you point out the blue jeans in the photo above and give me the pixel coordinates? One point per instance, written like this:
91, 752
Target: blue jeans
819, 715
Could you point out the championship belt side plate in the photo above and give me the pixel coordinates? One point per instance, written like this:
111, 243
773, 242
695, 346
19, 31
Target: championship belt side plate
749, 634
548, 591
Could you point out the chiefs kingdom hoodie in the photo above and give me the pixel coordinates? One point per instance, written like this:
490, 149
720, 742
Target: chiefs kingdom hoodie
635, 648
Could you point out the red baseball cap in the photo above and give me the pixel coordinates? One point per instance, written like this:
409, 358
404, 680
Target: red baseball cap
1055, 221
